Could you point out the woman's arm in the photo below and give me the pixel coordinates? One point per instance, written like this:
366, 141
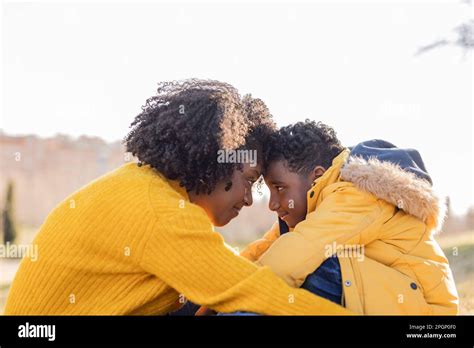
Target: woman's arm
254, 250
190, 257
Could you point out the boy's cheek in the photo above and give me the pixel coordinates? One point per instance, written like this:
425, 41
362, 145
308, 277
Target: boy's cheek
295, 216
292, 219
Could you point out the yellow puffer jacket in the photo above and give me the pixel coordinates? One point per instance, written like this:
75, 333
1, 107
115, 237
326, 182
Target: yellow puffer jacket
380, 220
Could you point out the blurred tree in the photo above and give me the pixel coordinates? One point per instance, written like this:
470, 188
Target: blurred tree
469, 219
448, 219
464, 39
9, 225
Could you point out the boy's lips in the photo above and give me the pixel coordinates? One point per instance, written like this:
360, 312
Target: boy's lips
282, 215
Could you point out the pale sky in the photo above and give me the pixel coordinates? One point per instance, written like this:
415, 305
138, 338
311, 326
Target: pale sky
87, 68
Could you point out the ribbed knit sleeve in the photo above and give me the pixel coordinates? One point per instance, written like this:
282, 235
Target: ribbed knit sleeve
188, 255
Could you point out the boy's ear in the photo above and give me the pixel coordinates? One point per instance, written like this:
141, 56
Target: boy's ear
316, 173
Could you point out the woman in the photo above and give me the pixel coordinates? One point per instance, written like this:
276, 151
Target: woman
140, 239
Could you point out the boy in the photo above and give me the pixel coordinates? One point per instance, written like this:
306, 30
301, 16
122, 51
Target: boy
369, 210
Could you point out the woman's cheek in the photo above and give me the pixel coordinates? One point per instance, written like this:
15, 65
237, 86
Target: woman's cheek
222, 218
227, 212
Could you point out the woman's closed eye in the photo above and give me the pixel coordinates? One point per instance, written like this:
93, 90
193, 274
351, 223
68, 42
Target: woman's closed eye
251, 181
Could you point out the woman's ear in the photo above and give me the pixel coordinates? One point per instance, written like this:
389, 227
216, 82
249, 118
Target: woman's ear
317, 172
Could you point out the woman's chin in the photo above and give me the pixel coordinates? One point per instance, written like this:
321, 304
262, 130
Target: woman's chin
224, 218
219, 222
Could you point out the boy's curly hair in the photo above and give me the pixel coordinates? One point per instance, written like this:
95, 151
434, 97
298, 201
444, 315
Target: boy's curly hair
181, 129
303, 145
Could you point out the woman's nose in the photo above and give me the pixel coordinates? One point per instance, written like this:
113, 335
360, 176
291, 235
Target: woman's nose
248, 199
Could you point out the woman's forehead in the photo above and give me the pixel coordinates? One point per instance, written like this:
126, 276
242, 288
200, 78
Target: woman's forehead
252, 169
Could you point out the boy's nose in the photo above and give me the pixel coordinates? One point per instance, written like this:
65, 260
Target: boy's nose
273, 204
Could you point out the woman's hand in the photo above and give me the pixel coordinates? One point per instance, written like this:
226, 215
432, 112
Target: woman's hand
205, 311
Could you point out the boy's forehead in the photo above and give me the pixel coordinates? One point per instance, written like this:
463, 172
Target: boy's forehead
277, 171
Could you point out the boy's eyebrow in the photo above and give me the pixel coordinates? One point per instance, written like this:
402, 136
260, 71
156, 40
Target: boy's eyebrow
275, 182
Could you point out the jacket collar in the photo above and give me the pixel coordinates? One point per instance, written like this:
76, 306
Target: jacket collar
330, 176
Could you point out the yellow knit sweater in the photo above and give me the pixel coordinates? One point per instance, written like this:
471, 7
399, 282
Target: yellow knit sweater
132, 243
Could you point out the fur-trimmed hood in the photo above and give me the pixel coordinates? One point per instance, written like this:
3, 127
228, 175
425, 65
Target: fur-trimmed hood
398, 176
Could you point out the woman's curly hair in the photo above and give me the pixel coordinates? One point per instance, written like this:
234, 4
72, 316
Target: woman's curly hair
181, 129
303, 145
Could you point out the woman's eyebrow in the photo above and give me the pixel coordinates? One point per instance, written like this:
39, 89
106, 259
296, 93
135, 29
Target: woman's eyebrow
257, 174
